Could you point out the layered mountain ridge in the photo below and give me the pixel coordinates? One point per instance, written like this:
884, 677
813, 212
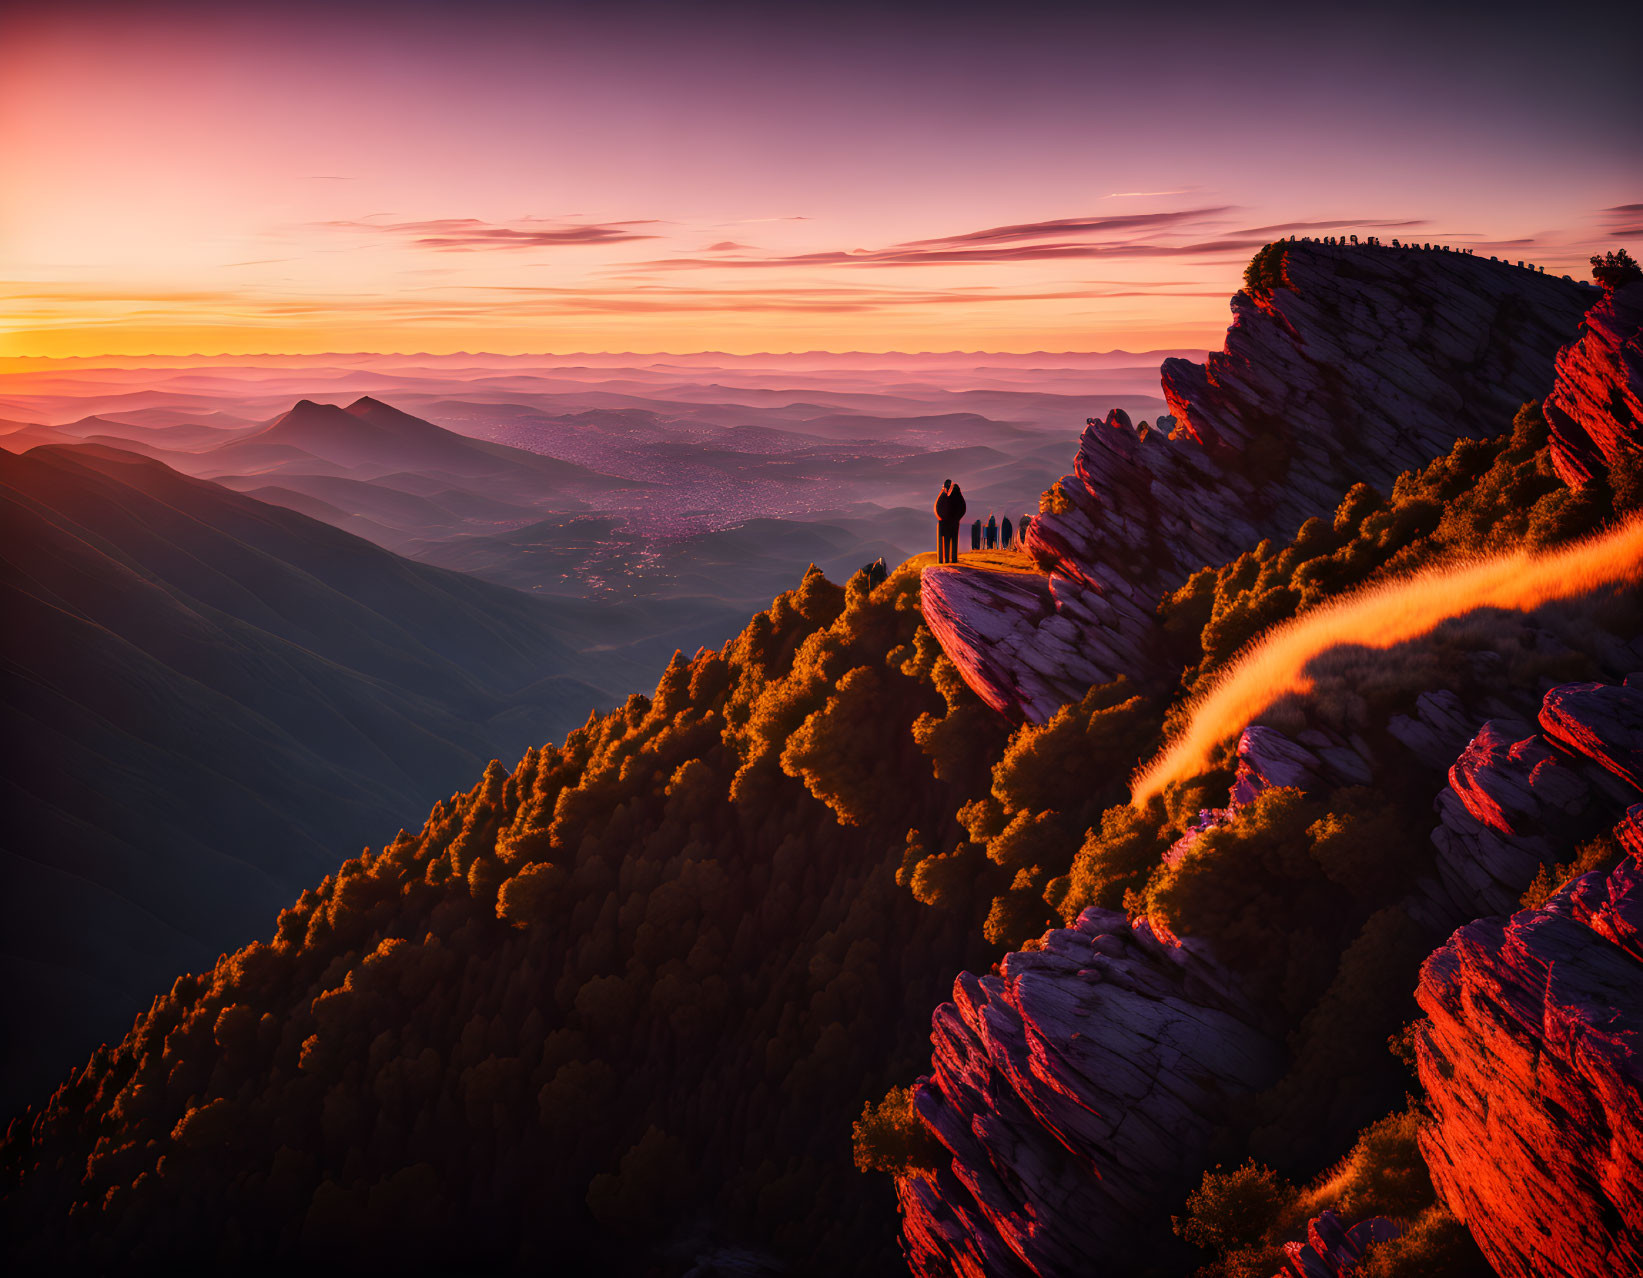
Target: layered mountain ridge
382, 439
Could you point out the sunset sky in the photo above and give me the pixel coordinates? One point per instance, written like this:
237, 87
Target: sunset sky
642, 177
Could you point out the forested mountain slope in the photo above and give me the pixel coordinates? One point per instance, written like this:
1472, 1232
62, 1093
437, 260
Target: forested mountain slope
208, 701
613, 1007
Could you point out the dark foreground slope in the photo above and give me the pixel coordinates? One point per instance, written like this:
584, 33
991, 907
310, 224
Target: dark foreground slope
611, 1010
208, 702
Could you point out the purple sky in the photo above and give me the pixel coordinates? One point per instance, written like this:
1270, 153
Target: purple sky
681, 177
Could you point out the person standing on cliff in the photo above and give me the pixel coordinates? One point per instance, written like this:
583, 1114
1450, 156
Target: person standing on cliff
1004, 532
975, 535
950, 509
992, 532
956, 506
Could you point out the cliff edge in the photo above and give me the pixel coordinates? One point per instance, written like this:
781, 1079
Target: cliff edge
1364, 362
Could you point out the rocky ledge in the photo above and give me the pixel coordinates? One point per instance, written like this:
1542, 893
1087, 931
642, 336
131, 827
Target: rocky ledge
1370, 360
1532, 1061
1075, 1091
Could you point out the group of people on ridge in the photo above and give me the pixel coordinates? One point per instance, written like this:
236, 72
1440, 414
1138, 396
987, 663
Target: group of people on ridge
950, 511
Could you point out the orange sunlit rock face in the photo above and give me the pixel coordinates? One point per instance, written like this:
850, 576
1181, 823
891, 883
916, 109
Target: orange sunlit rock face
1598, 402
1529, 1061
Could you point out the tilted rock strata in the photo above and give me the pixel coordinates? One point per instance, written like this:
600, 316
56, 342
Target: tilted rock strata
1596, 409
1377, 354
1600, 720
1437, 731
1006, 630
1331, 1249
1532, 1061
1371, 361
1076, 1091
1517, 798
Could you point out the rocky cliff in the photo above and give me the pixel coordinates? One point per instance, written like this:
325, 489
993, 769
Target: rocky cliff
1368, 361
1077, 1090
1086, 1081
1530, 1058
1596, 410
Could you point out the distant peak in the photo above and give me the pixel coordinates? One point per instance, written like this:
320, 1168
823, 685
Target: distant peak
365, 401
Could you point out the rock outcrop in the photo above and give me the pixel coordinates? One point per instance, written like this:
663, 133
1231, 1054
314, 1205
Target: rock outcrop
1518, 798
1602, 721
1331, 1250
1596, 410
1083, 1084
1268, 759
1369, 361
1532, 1061
1075, 1091
1023, 639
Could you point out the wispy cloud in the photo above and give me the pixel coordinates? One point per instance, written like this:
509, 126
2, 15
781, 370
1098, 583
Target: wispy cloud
1144, 195
1207, 233
1623, 219
1368, 224
1069, 226
462, 234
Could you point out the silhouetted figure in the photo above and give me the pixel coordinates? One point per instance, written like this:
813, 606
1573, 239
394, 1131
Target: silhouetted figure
975, 535
992, 532
877, 573
1021, 529
956, 506
949, 510
1004, 532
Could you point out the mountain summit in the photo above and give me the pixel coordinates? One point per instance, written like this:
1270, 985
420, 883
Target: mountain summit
370, 436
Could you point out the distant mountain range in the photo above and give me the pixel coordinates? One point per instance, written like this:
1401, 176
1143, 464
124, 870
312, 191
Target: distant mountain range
209, 702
